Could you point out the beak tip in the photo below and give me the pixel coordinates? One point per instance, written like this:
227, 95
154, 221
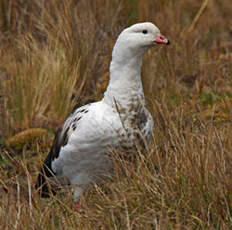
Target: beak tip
168, 42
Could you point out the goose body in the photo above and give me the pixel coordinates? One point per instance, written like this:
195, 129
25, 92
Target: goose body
80, 152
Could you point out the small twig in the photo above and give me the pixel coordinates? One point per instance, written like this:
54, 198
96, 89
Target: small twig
127, 214
19, 207
199, 13
196, 19
29, 187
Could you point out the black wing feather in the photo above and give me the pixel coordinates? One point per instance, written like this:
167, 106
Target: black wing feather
46, 171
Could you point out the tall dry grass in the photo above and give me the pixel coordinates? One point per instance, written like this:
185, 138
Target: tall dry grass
55, 54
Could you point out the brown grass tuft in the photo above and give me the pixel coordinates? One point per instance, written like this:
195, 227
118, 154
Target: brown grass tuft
55, 54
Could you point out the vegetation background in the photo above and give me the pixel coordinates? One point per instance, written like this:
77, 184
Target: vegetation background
55, 55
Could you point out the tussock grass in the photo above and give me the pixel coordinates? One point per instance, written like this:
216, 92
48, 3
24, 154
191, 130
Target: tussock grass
39, 87
55, 55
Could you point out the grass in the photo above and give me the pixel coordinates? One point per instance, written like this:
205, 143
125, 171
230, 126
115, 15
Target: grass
55, 55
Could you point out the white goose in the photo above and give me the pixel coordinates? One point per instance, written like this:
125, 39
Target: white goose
80, 152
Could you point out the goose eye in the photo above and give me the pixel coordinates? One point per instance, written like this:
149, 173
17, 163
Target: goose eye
145, 31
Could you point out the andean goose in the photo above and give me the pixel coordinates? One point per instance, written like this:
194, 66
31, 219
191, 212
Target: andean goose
80, 152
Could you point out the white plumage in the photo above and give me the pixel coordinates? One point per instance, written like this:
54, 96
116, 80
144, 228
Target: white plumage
80, 152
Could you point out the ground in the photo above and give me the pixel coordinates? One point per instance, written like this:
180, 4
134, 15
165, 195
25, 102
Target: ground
55, 55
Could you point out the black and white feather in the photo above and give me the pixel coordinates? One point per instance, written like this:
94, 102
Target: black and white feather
80, 152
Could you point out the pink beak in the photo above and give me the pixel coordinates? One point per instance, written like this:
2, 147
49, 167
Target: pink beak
162, 40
